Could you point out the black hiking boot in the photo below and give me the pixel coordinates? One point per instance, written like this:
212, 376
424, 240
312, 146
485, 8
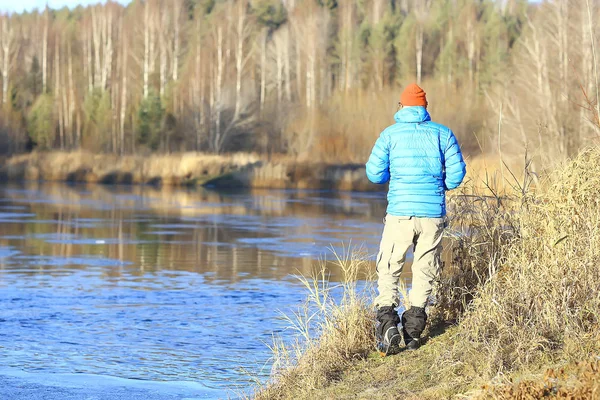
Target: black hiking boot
413, 344
388, 336
413, 325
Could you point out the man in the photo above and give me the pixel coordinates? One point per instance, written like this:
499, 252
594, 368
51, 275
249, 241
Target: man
421, 160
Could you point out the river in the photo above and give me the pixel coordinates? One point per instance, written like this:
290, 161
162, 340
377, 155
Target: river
148, 286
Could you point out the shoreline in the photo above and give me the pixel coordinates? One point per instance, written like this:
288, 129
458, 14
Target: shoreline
185, 170
493, 332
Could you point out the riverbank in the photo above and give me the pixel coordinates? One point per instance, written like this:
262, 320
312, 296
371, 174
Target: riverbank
517, 312
185, 169
238, 170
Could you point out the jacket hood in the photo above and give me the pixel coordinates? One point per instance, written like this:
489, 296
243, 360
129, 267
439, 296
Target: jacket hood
412, 115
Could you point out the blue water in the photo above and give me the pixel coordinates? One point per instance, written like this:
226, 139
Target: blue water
158, 286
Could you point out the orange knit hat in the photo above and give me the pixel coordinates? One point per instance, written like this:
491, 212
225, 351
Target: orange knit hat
413, 95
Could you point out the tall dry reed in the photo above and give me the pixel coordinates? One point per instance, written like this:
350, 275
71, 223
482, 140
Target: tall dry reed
543, 303
334, 327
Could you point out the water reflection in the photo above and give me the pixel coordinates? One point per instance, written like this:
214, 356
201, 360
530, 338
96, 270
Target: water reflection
231, 235
162, 284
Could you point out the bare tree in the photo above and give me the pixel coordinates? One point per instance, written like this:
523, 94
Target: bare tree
346, 45
124, 83
217, 82
8, 47
177, 7
163, 51
149, 34
45, 28
243, 31
421, 11
58, 91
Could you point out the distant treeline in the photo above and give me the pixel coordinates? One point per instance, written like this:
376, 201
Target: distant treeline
308, 78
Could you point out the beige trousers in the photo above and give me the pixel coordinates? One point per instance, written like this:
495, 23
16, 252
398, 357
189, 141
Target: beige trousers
399, 233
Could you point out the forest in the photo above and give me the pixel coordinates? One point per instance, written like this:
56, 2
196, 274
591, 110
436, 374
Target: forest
309, 79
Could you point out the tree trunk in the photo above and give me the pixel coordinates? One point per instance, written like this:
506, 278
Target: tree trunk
176, 23
57, 92
6, 41
88, 53
263, 69
218, 91
199, 92
279, 66
471, 45
146, 71
71, 109
163, 54
298, 65
97, 37
419, 51
239, 60
45, 52
286, 59
108, 48
125, 55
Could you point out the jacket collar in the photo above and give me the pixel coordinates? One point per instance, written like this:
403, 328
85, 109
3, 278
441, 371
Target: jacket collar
414, 114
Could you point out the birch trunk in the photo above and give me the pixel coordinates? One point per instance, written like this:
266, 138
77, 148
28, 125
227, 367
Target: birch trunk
64, 102
419, 51
71, 108
471, 46
298, 49
123, 95
90, 67
199, 92
279, 66
146, 71
263, 69
286, 59
6, 42
163, 54
177, 17
421, 11
218, 90
239, 60
108, 48
45, 52
97, 36
347, 44
58, 94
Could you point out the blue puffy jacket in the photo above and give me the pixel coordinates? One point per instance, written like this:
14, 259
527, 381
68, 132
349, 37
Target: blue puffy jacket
421, 160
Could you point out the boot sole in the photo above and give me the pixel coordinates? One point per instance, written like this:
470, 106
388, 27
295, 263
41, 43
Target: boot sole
393, 347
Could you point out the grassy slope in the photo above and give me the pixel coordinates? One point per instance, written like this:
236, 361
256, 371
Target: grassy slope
410, 375
531, 267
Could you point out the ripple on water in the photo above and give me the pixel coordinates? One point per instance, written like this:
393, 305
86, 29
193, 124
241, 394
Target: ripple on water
161, 285
174, 325
6, 252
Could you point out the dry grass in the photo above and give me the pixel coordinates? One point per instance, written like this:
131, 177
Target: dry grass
543, 302
80, 166
573, 382
522, 290
195, 169
331, 334
185, 169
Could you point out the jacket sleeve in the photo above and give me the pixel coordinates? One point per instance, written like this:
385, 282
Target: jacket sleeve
454, 164
378, 166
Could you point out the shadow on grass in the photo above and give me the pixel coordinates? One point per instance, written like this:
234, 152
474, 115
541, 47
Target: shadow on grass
437, 329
